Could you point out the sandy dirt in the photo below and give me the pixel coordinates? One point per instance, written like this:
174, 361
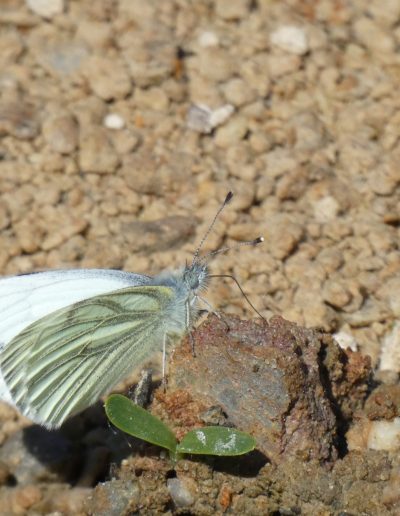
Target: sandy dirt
123, 125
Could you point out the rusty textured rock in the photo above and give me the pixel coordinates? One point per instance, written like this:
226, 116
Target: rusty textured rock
383, 403
270, 379
350, 376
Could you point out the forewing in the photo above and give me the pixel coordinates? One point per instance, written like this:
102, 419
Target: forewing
67, 360
26, 298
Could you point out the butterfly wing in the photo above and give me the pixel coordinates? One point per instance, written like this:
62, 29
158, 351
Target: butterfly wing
28, 297
65, 361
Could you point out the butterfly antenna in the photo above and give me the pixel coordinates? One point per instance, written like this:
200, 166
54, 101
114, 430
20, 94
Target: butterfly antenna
226, 201
241, 290
256, 241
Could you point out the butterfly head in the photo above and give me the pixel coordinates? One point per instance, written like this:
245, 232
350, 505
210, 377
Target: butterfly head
195, 276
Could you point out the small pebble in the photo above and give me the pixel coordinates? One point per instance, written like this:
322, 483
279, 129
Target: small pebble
290, 38
390, 353
179, 492
203, 119
208, 39
384, 435
46, 8
345, 340
326, 209
114, 121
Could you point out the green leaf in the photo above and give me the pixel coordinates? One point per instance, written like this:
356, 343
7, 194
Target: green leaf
136, 421
216, 440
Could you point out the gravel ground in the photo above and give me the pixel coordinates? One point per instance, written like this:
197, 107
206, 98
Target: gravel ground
124, 123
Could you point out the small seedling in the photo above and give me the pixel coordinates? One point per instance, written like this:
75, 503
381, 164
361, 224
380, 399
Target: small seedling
210, 440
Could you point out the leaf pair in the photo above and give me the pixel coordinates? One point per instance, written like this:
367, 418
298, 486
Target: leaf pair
210, 440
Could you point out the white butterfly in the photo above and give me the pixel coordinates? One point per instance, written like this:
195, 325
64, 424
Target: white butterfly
68, 337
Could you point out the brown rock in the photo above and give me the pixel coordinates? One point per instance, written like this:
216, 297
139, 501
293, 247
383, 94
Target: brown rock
350, 376
270, 380
383, 403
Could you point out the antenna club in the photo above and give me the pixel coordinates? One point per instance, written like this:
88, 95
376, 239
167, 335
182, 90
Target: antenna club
228, 198
259, 240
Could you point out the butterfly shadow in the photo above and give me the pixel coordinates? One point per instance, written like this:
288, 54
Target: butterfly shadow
81, 452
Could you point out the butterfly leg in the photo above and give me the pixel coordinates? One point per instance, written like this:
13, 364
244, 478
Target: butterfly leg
189, 329
164, 361
217, 314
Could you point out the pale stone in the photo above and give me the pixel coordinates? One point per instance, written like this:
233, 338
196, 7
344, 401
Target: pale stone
46, 8
384, 435
220, 115
180, 492
290, 38
326, 209
114, 121
390, 352
345, 340
208, 39
203, 119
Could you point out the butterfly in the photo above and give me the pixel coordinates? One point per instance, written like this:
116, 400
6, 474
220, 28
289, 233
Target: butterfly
67, 337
